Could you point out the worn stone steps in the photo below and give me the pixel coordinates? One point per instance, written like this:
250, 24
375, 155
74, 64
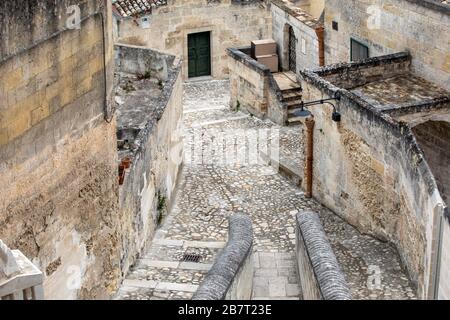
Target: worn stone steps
292, 94
161, 272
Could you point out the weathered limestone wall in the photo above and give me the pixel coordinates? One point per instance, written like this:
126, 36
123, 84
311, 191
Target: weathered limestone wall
248, 83
419, 26
58, 173
253, 88
369, 169
307, 47
150, 182
231, 23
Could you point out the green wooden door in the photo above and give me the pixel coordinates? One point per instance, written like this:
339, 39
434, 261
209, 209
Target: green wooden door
199, 54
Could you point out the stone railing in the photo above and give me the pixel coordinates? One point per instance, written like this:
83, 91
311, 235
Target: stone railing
321, 277
231, 276
19, 278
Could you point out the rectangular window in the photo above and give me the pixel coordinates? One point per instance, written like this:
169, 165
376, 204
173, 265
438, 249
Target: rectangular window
358, 51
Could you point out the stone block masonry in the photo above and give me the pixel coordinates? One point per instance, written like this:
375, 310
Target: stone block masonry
231, 23
58, 171
420, 27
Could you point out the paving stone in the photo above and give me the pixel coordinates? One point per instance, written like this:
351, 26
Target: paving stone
292, 290
277, 287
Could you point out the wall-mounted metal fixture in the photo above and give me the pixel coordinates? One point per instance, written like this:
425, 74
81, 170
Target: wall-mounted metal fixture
336, 116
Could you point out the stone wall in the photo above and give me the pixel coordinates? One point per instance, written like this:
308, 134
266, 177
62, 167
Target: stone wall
58, 172
156, 158
253, 88
231, 23
320, 274
248, 82
231, 276
419, 26
369, 169
307, 47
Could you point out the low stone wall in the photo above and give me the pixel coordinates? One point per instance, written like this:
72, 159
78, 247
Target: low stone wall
231, 277
156, 156
320, 274
253, 88
140, 60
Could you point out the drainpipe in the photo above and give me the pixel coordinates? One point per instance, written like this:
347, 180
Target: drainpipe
320, 33
308, 173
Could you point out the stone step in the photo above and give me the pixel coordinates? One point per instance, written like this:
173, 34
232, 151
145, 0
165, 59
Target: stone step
293, 104
296, 90
295, 120
174, 264
289, 96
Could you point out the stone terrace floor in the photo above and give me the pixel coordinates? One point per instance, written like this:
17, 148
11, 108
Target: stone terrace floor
210, 191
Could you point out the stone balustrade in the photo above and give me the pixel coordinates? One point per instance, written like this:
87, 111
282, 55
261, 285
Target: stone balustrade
19, 278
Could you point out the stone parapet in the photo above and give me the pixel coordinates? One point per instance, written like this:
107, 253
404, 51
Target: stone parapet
231, 275
320, 274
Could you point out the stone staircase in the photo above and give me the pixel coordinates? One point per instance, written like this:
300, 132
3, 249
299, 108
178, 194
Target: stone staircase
169, 269
292, 98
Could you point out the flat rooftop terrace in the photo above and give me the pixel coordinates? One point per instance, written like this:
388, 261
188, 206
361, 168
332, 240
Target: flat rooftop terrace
137, 97
399, 91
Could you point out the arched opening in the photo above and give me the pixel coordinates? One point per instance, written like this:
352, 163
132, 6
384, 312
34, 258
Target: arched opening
433, 138
289, 61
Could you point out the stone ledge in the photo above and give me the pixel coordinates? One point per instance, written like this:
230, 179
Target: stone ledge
432, 4
368, 63
240, 55
230, 260
329, 277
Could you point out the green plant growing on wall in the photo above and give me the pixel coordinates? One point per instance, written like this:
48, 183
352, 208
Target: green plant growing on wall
238, 106
161, 206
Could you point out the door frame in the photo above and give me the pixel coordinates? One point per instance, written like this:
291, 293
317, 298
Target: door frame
187, 32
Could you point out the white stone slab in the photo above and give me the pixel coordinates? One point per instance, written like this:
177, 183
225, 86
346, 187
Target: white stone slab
149, 284
170, 286
159, 263
205, 244
195, 266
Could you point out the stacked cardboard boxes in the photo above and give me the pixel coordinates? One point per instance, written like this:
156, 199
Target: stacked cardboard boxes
265, 52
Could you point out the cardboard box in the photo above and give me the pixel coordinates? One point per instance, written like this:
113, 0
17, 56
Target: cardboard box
270, 61
263, 48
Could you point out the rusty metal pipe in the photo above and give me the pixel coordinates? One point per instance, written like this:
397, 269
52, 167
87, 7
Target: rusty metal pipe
308, 173
321, 40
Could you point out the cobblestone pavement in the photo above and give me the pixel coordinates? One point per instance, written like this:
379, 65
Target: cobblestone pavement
210, 190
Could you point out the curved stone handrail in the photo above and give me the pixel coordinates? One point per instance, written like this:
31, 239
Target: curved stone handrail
330, 278
230, 260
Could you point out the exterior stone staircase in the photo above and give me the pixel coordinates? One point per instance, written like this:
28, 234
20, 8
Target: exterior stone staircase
292, 97
169, 270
